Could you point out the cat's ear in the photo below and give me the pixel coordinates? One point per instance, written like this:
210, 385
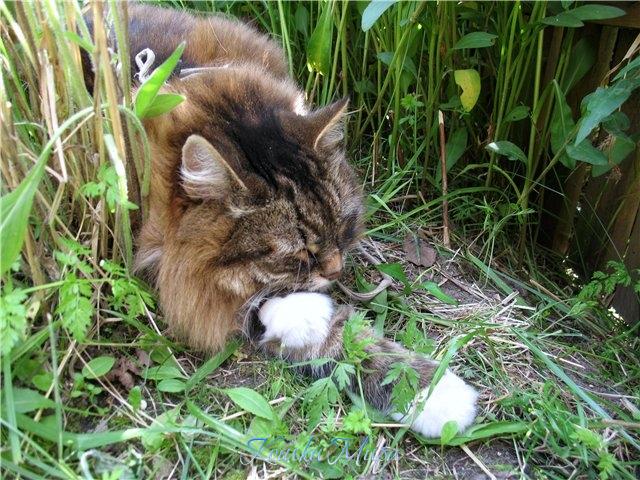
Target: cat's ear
205, 173
321, 127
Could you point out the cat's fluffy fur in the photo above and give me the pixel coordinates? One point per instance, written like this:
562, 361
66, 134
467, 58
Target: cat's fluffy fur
252, 198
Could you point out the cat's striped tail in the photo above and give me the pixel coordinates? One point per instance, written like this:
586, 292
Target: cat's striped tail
305, 326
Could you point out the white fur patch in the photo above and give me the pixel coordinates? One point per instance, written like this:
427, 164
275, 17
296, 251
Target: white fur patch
297, 320
451, 399
299, 107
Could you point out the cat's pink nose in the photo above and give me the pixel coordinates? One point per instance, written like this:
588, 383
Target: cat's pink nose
332, 266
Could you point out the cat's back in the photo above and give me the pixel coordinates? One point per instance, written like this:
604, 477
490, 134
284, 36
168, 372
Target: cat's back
211, 40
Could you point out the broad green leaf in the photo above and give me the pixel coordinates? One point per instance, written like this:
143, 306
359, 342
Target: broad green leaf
407, 66
455, 147
585, 152
302, 20
163, 103
448, 432
43, 381
629, 68
594, 11
601, 103
434, 289
617, 123
582, 58
319, 47
171, 385
482, 432
475, 40
15, 208
395, 271
153, 439
469, 81
616, 151
564, 19
27, 400
518, 113
85, 441
251, 401
163, 372
135, 397
561, 127
373, 11
507, 149
98, 367
152, 85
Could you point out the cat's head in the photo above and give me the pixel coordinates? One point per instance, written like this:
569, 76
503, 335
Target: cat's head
278, 174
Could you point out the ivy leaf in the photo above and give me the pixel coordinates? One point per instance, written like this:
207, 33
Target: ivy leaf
564, 19
454, 148
582, 58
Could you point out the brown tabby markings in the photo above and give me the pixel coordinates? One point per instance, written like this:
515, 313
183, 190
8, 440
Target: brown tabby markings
251, 197
246, 195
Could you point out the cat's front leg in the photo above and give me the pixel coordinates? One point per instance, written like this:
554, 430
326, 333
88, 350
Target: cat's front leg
298, 321
305, 326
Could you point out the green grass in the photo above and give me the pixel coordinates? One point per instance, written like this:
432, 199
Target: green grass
91, 388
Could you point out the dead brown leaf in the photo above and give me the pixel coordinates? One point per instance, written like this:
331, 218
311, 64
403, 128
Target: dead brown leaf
123, 373
418, 251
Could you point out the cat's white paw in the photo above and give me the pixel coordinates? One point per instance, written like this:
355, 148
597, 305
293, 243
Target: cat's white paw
297, 320
451, 399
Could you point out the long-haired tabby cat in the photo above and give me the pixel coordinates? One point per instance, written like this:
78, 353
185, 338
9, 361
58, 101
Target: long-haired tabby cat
252, 198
